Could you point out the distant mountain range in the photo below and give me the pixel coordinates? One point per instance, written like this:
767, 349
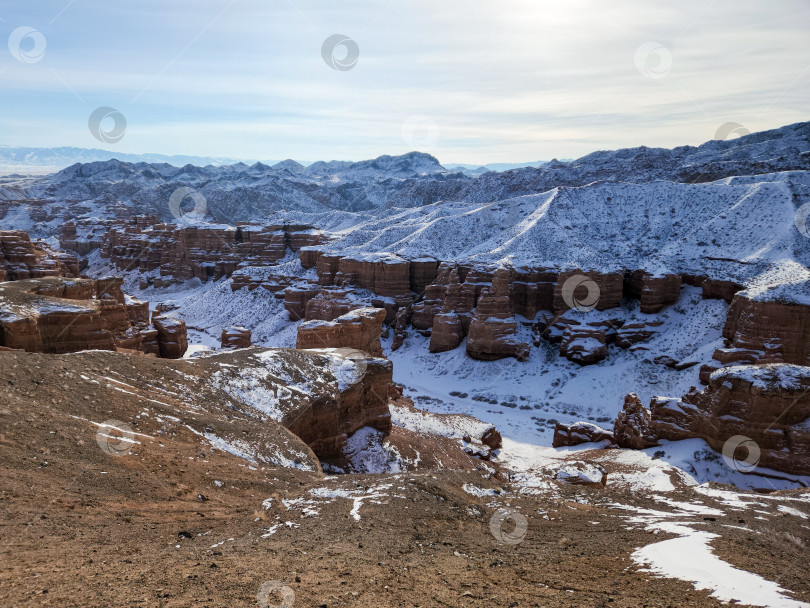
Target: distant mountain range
59, 158
50, 160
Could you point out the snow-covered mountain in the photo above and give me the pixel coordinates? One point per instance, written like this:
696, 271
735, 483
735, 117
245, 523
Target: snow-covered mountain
728, 205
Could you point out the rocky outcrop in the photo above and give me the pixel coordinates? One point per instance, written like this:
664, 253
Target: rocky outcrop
297, 297
307, 392
171, 336
757, 415
206, 252
359, 329
329, 304
632, 428
403, 319
653, 291
576, 286
577, 433
22, 259
583, 344
58, 315
235, 337
493, 326
447, 333
774, 322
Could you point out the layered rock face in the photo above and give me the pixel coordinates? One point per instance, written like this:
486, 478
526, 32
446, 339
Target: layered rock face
448, 332
633, 428
767, 404
57, 315
493, 327
780, 329
359, 329
22, 259
235, 337
654, 292
171, 336
205, 252
323, 408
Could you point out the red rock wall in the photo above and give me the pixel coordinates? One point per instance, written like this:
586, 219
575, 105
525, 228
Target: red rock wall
774, 415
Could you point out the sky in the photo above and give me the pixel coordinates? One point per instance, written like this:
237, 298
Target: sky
467, 81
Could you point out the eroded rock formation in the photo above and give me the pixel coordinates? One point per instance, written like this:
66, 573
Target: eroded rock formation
632, 428
359, 329
58, 315
22, 259
577, 433
768, 404
235, 337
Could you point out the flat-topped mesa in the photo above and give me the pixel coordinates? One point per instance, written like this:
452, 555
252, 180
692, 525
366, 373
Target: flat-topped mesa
58, 315
773, 320
205, 251
757, 415
493, 326
359, 329
22, 259
654, 291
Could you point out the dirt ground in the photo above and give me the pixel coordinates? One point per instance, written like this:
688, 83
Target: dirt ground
175, 522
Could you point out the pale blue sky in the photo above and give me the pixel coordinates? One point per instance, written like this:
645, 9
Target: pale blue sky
506, 81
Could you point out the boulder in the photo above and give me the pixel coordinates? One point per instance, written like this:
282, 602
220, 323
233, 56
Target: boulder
577, 433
